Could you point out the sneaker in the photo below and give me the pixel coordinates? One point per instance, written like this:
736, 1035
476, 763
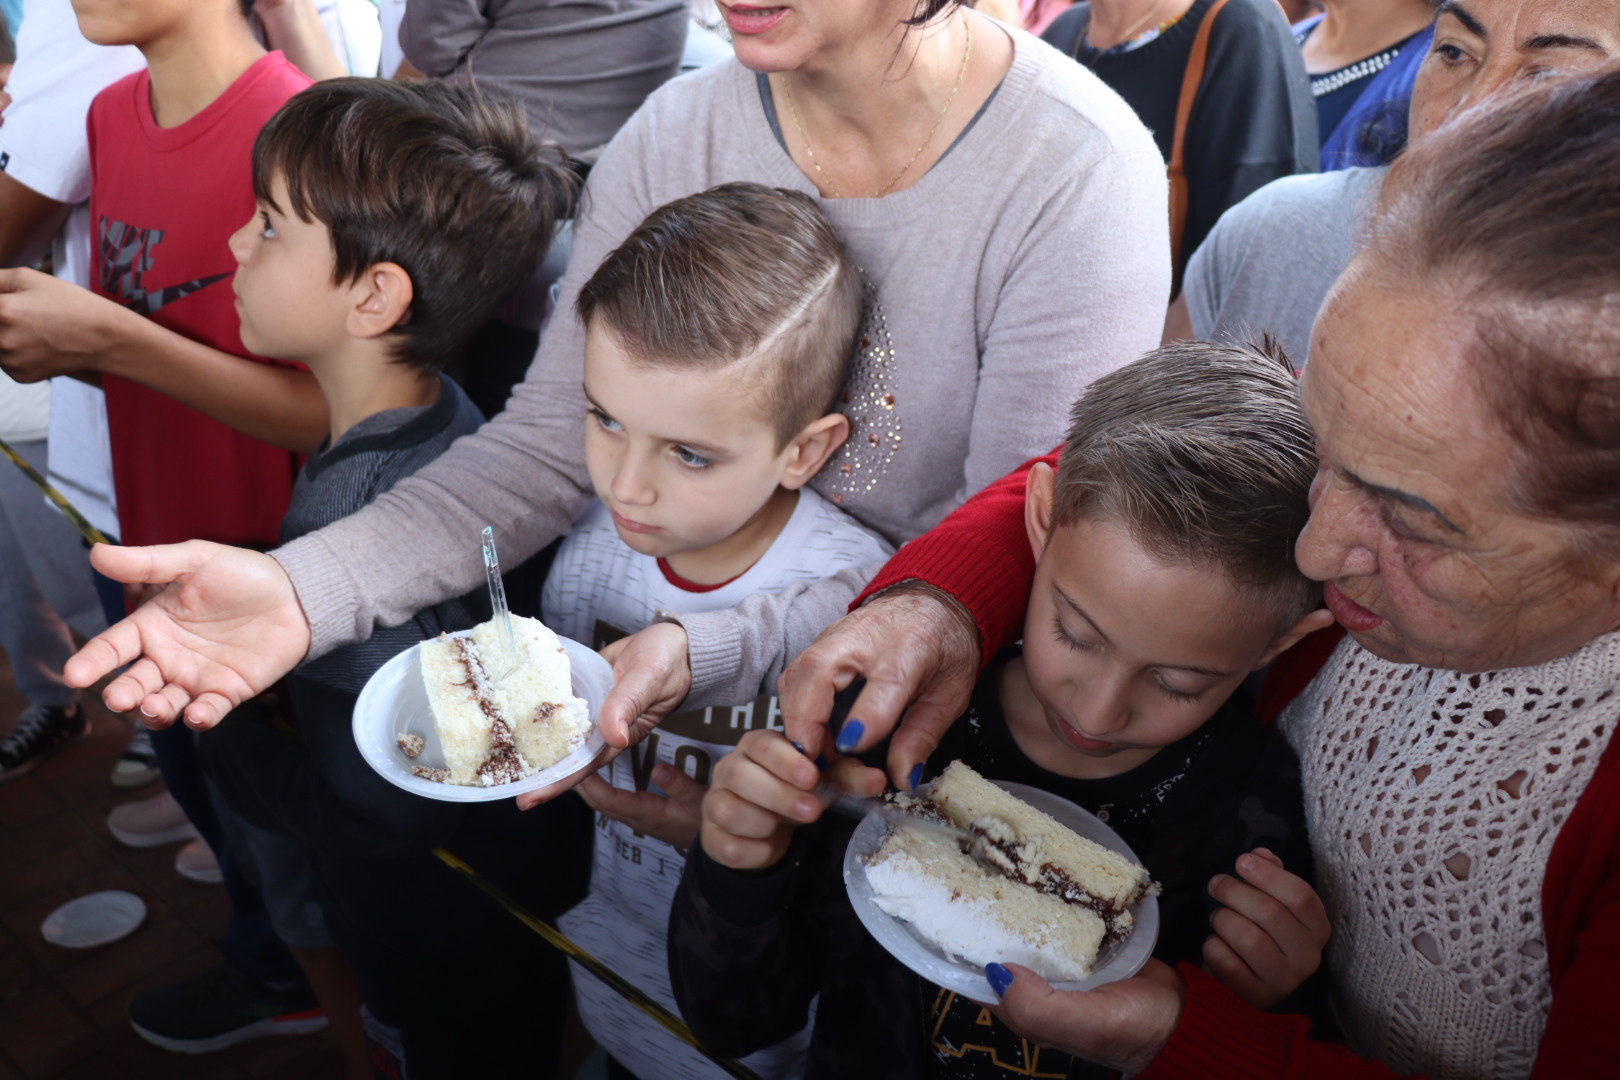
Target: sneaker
150, 822
137, 765
221, 1008
40, 730
196, 861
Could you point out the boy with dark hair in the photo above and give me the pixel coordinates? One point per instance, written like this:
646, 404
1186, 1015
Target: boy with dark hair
392, 219
1165, 576
717, 340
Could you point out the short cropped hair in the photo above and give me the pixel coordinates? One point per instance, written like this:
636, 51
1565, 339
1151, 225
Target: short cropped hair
1511, 213
443, 180
1202, 453
738, 272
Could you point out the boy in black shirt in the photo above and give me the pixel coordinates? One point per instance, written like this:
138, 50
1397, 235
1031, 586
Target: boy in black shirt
1164, 578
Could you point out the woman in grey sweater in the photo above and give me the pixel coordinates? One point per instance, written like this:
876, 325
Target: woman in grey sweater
1007, 211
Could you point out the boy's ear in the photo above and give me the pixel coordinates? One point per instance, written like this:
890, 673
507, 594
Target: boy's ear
382, 299
811, 448
1038, 492
1319, 619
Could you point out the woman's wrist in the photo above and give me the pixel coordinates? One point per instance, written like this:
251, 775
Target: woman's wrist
920, 589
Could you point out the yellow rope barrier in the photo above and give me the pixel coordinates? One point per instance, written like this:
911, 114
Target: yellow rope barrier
90, 532
559, 941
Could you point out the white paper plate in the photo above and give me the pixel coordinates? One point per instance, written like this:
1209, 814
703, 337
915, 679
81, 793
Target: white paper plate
1118, 961
92, 920
394, 703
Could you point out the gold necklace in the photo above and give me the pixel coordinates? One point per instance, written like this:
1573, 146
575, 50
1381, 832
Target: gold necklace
1130, 34
809, 152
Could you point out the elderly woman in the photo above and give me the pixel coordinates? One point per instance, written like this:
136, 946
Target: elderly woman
927, 130
1455, 749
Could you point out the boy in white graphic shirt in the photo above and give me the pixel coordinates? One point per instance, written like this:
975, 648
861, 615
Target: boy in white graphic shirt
718, 338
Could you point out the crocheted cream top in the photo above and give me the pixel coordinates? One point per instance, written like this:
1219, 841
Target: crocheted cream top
1433, 800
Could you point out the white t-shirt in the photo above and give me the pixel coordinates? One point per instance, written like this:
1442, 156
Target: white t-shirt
596, 591
44, 147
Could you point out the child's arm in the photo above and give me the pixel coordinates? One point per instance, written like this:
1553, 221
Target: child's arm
1269, 933
761, 921
50, 327
294, 27
28, 221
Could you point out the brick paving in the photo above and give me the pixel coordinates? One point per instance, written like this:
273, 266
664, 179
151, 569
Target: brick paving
62, 1010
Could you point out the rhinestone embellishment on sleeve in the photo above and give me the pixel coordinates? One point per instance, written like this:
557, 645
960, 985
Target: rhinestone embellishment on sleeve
868, 399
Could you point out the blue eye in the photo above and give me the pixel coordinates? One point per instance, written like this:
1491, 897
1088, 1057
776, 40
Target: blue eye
269, 230
604, 421
691, 458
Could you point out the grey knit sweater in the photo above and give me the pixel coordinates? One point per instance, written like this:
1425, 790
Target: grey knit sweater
1031, 259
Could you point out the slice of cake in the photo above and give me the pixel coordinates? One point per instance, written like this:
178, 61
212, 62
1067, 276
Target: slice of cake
1025, 890
494, 731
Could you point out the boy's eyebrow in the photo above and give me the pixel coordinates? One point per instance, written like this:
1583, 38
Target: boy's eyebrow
1080, 611
1406, 499
706, 449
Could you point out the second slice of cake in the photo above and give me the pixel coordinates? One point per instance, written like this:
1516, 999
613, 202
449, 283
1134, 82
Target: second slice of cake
1031, 892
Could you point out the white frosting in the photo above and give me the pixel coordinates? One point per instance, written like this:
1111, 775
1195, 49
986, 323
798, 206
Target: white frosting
973, 916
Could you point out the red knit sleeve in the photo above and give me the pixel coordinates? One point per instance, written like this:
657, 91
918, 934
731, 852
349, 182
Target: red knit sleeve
979, 554
1222, 1037
1580, 902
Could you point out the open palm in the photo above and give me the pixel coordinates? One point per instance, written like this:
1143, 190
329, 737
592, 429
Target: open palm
226, 626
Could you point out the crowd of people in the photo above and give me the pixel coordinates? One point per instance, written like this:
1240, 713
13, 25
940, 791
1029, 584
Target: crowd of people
749, 331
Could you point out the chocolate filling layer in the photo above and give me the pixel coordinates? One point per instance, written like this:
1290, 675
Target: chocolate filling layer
993, 844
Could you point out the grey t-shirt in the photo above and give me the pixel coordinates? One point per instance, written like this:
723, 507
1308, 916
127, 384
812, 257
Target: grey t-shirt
579, 69
1269, 262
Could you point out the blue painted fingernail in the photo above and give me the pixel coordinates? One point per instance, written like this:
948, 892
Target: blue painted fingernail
849, 736
999, 978
821, 762
796, 746
916, 776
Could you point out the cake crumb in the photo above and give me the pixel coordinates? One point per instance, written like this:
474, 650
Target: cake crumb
411, 745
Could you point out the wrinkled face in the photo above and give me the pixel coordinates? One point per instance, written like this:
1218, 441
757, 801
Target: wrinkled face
801, 33
682, 458
289, 306
1125, 653
1481, 46
1413, 529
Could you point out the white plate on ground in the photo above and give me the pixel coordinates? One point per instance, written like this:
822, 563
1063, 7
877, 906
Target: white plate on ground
96, 919
394, 703
1120, 960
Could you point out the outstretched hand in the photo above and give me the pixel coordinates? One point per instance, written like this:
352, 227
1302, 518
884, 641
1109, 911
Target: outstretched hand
226, 625
1122, 1025
919, 653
